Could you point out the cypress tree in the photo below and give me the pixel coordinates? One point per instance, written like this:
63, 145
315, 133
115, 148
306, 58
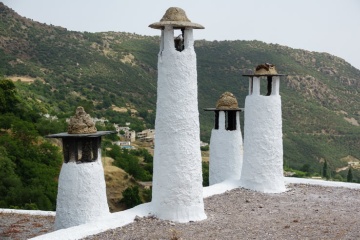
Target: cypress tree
350, 175
325, 172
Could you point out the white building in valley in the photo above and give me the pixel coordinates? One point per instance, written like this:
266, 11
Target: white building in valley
177, 177
262, 168
130, 136
147, 135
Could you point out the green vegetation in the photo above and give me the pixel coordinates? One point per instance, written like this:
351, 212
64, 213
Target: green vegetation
298, 173
205, 173
325, 171
30, 165
129, 161
349, 176
131, 197
205, 148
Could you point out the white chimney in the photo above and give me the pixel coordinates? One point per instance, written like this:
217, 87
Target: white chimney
226, 146
263, 146
81, 194
177, 177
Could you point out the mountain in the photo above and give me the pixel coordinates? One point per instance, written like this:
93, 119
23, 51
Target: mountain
111, 70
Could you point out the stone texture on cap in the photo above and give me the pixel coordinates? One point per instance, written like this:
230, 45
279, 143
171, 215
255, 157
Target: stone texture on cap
265, 69
177, 18
81, 123
227, 100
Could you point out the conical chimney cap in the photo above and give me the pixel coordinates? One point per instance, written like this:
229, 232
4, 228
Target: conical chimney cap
266, 69
177, 18
227, 101
81, 123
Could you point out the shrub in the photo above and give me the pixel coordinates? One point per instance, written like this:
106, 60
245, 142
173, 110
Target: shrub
131, 197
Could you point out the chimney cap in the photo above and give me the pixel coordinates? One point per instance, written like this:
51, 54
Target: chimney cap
77, 136
81, 126
81, 123
226, 102
176, 17
265, 69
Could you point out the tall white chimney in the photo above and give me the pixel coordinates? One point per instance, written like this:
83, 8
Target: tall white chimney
177, 177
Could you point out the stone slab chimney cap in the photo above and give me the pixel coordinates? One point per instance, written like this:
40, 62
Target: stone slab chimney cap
265, 69
88, 135
81, 123
177, 18
81, 126
226, 102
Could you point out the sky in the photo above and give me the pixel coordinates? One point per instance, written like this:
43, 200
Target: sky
331, 26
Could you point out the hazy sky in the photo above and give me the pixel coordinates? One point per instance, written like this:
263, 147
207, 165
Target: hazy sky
331, 26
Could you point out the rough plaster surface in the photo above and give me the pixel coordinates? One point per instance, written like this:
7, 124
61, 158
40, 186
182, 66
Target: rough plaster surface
226, 152
81, 194
177, 180
262, 168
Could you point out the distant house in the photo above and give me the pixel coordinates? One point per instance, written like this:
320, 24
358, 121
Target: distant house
125, 129
147, 135
123, 143
130, 136
48, 116
100, 120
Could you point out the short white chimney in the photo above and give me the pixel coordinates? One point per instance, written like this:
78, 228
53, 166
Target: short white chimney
226, 145
263, 145
81, 194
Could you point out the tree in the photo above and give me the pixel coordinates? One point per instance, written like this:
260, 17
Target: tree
9, 182
8, 97
205, 148
131, 197
205, 173
325, 171
305, 168
349, 177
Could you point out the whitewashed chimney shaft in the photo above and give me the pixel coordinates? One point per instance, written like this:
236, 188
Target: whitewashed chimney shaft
81, 194
177, 193
226, 152
226, 145
262, 168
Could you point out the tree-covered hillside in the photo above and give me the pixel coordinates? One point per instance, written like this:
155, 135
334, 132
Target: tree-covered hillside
29, 164
111, 70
